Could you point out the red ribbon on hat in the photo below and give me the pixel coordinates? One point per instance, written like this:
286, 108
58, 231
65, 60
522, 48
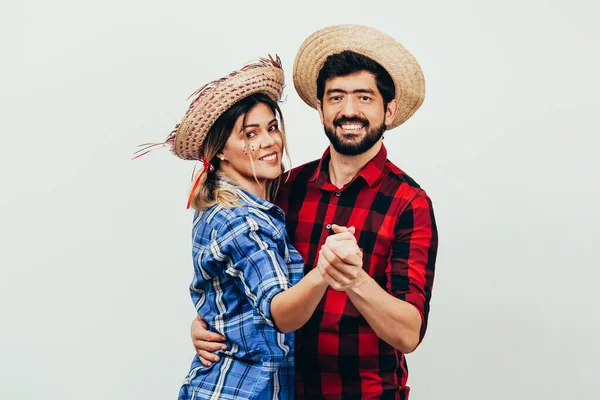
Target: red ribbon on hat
206, 166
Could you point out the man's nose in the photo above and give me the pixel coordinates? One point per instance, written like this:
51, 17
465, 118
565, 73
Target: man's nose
350, 108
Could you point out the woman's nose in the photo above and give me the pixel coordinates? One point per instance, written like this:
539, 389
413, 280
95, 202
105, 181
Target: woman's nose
268, 140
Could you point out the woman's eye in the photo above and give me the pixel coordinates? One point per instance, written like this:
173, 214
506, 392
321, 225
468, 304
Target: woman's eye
250, 135
273, 128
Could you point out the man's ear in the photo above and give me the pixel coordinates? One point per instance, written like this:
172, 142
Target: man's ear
320, 110
390, 111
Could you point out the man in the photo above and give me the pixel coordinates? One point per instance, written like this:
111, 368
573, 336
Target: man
362, 82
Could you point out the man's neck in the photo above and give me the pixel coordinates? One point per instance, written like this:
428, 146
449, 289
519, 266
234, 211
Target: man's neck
342, 168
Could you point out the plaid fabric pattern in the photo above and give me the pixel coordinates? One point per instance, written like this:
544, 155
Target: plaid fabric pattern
338, 356
242, 259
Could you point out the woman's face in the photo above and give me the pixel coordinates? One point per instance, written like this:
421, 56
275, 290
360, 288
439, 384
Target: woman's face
260, 140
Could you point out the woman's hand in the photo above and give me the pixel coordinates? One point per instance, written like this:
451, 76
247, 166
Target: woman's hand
340, 260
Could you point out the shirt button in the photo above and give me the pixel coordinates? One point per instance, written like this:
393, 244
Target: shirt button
328, 226
337, 194
298, 377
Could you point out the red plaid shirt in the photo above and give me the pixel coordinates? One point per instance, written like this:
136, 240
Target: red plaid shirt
338, 356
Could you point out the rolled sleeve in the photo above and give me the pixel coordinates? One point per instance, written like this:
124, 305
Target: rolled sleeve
414, 250
253, 260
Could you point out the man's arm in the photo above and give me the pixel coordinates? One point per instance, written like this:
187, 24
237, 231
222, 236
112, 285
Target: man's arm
395, 321
399, 315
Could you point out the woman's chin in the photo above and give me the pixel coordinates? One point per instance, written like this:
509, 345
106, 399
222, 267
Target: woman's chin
270, 175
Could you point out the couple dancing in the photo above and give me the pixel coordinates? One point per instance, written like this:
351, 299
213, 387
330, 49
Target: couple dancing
311, 283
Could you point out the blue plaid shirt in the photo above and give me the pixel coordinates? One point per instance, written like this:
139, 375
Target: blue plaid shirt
242, 259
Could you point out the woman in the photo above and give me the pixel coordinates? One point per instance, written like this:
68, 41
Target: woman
248, 283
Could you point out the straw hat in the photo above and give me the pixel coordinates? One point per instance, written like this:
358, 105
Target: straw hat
214, 98
397, 61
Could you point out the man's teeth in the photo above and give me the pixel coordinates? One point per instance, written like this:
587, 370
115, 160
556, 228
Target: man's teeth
269, 157
352, 127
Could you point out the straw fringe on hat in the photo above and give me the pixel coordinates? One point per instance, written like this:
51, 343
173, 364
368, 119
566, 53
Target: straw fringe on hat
387, 51
213, 99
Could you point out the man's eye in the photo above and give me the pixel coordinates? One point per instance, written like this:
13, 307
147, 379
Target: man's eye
365, 98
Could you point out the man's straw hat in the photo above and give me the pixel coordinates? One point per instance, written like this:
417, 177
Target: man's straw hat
387, 51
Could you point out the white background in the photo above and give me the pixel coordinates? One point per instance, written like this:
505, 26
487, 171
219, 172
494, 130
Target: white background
95, 259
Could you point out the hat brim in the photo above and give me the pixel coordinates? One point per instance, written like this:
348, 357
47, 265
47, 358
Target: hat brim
397, 61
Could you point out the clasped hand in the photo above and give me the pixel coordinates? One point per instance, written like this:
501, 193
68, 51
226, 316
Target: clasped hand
340, 260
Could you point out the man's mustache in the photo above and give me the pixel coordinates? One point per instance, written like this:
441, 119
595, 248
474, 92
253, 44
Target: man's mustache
350, 120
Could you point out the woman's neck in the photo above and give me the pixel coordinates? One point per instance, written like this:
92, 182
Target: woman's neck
251, 185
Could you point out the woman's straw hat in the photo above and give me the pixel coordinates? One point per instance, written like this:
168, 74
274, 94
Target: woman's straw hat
397, 61
213, 99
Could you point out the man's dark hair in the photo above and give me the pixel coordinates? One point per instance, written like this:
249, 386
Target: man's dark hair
348, 62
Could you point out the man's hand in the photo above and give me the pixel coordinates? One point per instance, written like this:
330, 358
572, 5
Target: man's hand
206, 342
340, 259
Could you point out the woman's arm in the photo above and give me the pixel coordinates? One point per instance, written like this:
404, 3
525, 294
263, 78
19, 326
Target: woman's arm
293, 307
251, 255
289, 309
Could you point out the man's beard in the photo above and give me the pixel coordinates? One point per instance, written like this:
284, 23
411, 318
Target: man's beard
354, 148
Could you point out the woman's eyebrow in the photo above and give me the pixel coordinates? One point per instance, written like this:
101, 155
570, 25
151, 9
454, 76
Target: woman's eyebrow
257, 125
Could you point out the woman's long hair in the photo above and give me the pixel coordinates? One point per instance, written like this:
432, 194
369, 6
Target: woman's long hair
209, 192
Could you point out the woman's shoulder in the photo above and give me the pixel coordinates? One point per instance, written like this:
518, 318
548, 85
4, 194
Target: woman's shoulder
242, 220
222, 219
218, 214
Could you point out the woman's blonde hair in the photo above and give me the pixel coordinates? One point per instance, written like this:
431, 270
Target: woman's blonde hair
209, 191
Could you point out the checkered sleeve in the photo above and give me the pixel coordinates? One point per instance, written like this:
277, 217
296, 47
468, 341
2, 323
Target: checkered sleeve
412, 263
249, 248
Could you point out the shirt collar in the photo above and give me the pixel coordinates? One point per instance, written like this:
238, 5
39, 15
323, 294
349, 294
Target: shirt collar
370, 172
248, 197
